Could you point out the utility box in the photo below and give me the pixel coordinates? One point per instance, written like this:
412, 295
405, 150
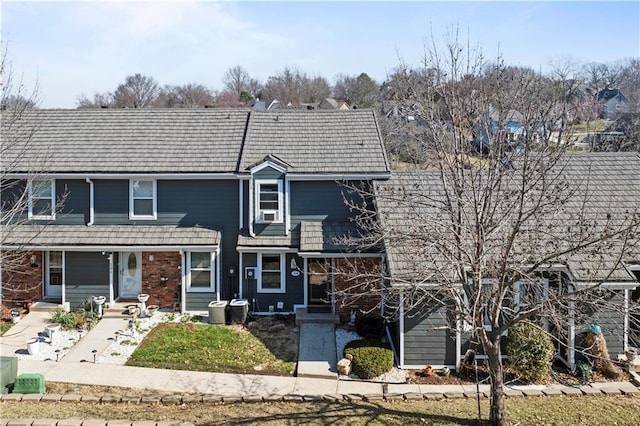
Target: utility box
218, 312
8, 372
238, 310
29, 383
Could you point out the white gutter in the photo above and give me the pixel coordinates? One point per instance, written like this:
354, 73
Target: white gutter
251, 213
183, 291
91, 201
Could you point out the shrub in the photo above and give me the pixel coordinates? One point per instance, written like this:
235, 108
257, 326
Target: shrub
370, 327
370, 357
530, 351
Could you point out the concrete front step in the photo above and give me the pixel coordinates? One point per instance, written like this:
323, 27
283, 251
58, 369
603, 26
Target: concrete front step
43, 306
304, 317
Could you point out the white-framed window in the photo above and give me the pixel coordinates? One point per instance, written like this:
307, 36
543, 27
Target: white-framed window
201, 276
269, 205
42, 199
271, 274
54, 274
143, 199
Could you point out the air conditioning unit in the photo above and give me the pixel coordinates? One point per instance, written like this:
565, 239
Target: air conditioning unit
269, 216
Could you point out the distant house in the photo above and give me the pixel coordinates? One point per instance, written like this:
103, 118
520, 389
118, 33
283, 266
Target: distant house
330, 103
611, 102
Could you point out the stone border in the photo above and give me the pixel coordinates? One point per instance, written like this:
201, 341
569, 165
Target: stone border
351, 397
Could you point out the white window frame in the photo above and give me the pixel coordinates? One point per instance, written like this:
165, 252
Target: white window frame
212, 274
33, 197
282, 288
258, 211
154, 199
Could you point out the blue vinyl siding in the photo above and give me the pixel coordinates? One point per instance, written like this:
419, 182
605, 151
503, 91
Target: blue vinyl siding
86, 275
321, 200
428, 338
111, 202
73, 196
199, 301
294, 287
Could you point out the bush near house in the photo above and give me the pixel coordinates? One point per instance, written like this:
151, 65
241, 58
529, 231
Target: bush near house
371, 358
530, 351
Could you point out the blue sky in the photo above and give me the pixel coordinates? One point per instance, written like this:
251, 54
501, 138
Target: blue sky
74, 48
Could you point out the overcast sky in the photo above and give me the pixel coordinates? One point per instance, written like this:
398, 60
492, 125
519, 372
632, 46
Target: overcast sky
74, 48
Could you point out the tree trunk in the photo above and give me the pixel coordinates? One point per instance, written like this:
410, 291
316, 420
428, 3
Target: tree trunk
496, 415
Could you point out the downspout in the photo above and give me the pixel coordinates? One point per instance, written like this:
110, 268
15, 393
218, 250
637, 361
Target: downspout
91, 202
183, 301
287, 209
251, 213
110, 275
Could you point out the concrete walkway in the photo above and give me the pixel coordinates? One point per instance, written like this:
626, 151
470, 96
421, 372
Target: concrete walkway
30, 326
98, 338
317, 351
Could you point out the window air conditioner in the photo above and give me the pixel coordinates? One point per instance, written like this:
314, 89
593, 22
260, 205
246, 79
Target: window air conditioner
269, 216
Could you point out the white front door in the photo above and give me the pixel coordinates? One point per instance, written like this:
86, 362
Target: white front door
54, 274
130, 274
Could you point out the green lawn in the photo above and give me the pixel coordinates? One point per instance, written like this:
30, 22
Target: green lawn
204, 347
4, 326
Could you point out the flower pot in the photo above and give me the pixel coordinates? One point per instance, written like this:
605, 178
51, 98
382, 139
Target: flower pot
51, 329
33, 346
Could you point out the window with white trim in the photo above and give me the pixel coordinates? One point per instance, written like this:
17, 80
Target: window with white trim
142, 199
271, 276
42, 194
269, 207
201, 271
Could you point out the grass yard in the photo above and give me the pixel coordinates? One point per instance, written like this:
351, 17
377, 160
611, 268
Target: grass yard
214, 348
599, 410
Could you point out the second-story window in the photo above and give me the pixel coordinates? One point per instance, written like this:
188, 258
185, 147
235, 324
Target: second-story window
42, 195
269, 201
142, 199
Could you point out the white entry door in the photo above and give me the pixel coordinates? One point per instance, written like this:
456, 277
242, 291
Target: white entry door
130, 274
54, 273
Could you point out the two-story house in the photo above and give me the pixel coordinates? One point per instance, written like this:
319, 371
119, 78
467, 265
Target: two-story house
186, 205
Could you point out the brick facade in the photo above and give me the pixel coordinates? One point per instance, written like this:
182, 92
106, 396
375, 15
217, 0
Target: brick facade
164, 265
357, 287
24, 281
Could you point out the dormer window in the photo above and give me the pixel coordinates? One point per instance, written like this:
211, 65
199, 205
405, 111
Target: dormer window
142, 199
269, 201
42, 199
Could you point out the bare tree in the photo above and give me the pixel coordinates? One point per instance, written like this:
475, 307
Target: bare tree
360, 91
236, 80
16, 182
138, 91
190, 95
488, 238
99, 100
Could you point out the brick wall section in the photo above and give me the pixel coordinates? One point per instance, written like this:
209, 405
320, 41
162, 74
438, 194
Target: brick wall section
23, 281
358, 287
163, 264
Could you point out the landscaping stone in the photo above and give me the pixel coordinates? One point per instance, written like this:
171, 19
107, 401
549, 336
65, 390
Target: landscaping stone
552, 392
610, 390
71, 397
512, 393
394, 397
292, 398
629, 389
20, 422
119, 422
433, 396
474, 395
570, 391
94, 422
50, 397
70, 422
252, 399
231, 399
12, 397
454, 395
312, 398
192, 399
413, 396
351, 397
110, 399
143, 423
272, 398
532, 392
151, 399
90, 398
44, 422
373, 397
332, 397
587, 390
132, 399
172, 399
32, 397
209, 399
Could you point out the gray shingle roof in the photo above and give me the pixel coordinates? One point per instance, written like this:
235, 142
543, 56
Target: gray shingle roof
128, 140
194, 140
107, 235
607, 189
341, 142
327, 236
284, 241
